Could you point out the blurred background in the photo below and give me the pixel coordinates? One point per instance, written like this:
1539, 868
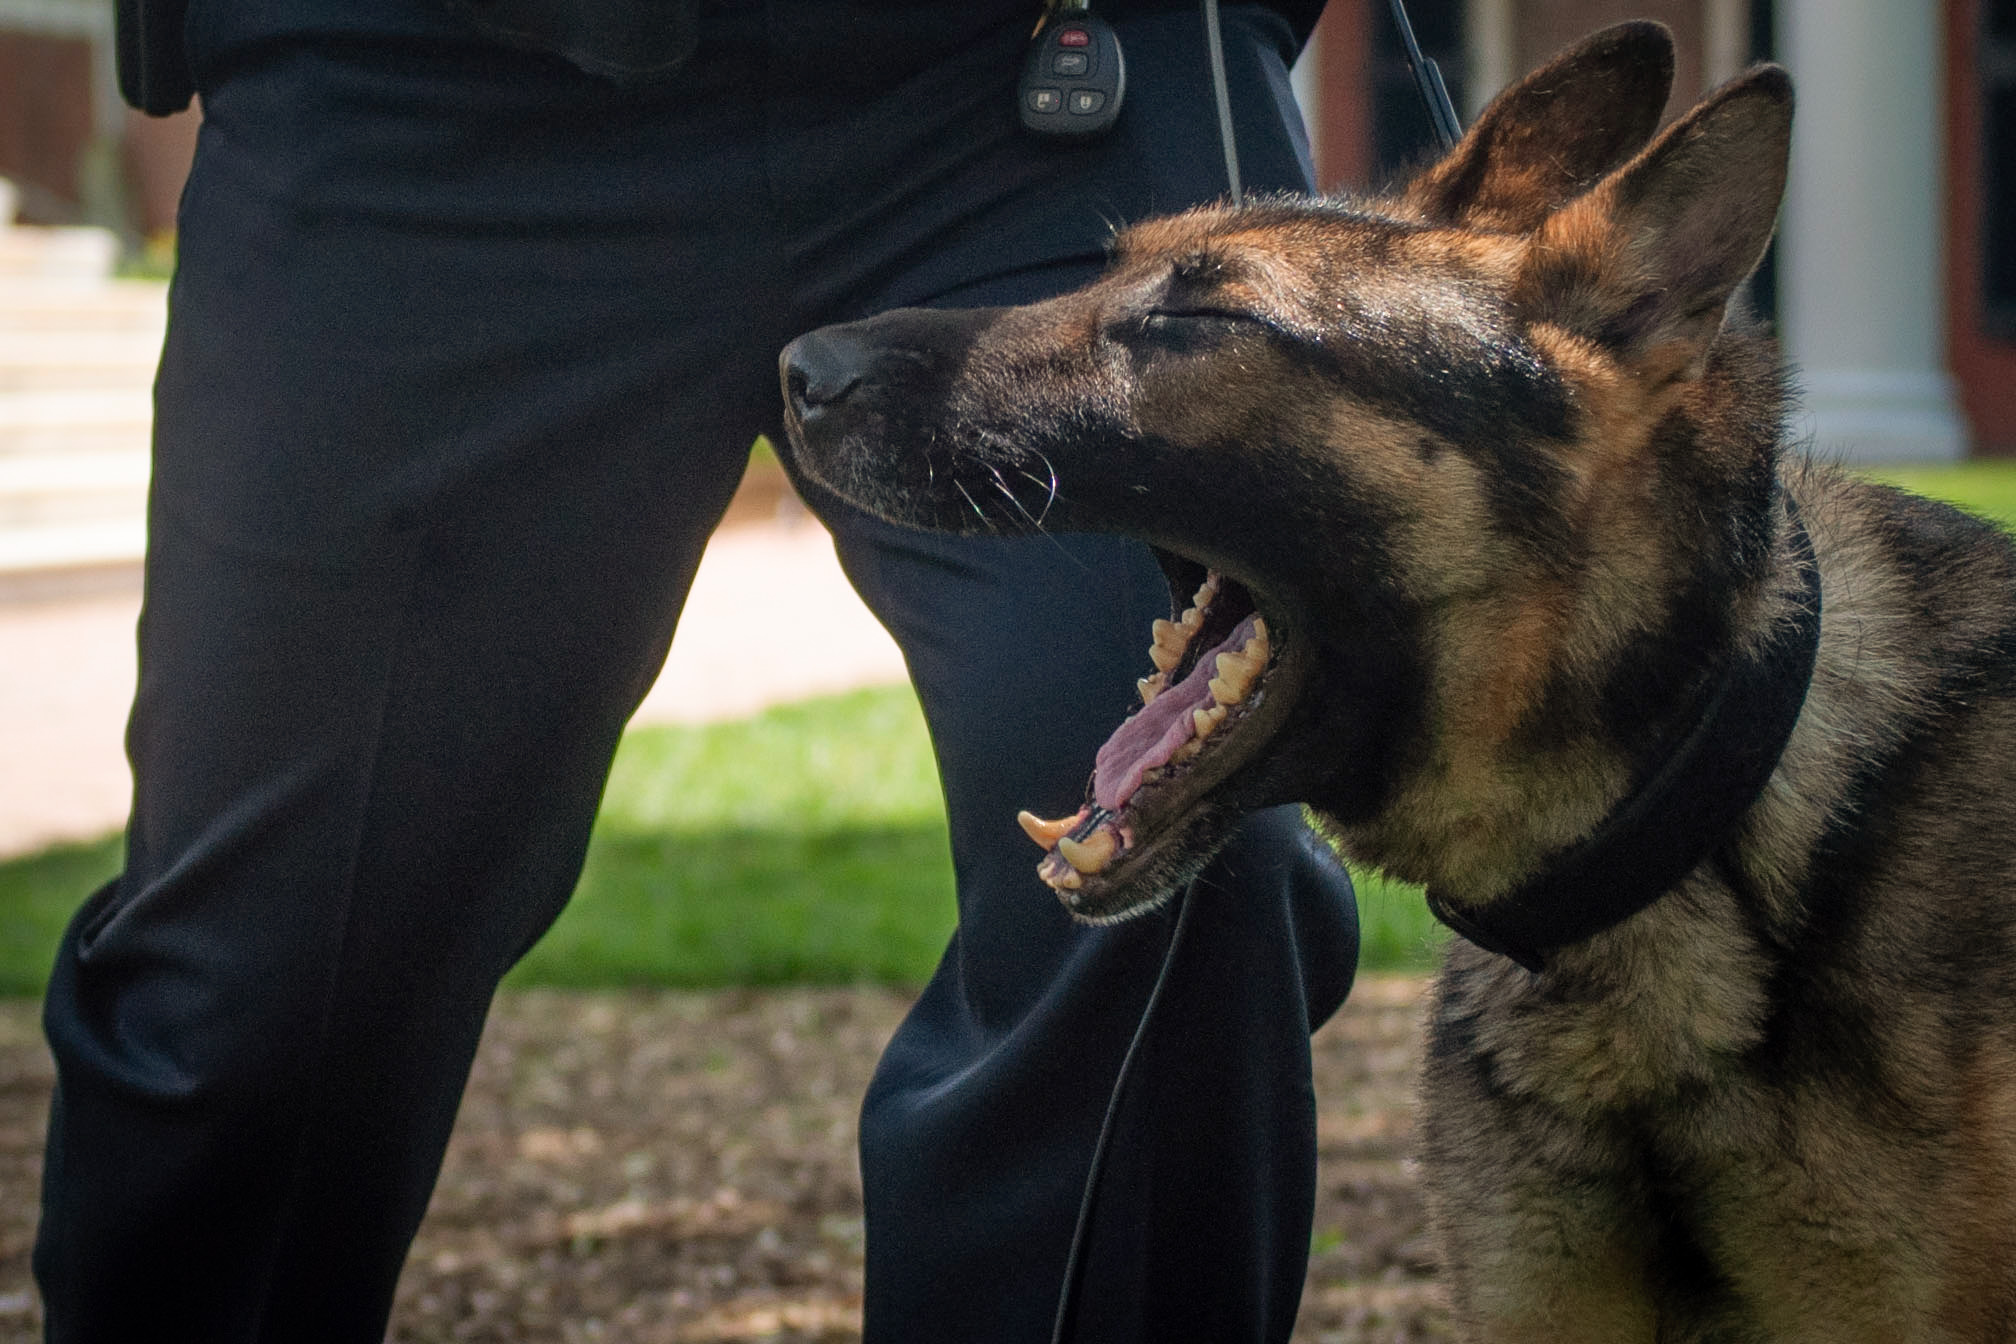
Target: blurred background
1892, 284
773, 819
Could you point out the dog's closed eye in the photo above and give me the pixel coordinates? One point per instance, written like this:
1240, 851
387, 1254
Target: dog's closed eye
1197, 312
1183, 327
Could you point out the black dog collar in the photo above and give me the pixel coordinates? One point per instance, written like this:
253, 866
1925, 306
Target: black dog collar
1681, 814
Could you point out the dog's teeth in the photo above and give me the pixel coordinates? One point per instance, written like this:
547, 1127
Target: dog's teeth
1236, 672
1150, 687
1191, 618
1060, 875
1047, 833
1187, 751
1259, 647
1206, 592
1092, 853
1170, 641
1206, 721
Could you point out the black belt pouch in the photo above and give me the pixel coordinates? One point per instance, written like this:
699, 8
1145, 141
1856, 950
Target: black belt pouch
627, 41
153, 63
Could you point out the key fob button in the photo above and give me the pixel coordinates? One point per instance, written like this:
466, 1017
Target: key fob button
1074, 79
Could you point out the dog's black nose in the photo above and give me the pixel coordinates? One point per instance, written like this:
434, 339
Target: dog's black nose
820, 369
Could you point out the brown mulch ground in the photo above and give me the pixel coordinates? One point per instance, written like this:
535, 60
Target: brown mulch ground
648, 1168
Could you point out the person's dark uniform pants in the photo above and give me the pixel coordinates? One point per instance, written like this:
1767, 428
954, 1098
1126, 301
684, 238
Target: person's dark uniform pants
465, 355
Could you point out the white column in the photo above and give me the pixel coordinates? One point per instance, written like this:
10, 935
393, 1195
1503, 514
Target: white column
1487, 41
1860, 298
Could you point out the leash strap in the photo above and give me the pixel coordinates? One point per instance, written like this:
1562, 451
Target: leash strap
1681, 814
1060, 1329
1214, 41
1428, 82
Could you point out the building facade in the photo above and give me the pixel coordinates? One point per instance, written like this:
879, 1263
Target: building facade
1893, 283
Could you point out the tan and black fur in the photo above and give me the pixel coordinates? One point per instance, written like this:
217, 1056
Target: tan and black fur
1503, 471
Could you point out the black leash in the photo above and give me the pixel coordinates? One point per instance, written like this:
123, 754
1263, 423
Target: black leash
1679, 815
1428, 82
1068, 1294
1214, 42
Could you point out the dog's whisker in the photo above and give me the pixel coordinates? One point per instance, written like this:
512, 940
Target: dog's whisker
1036, 521
1008, 492
1049, 486
978, 512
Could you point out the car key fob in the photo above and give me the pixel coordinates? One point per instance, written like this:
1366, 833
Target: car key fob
1074, 78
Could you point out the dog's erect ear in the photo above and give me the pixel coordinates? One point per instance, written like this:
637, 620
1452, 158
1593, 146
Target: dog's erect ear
1647, 261
1554, 134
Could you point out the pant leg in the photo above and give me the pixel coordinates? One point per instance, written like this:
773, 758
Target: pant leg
433, 469
978, 1130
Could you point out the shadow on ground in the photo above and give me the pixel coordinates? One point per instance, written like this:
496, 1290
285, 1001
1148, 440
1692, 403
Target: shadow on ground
650, 1167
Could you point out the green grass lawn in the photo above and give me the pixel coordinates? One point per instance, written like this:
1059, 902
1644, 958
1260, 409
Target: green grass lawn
1986, 487
804, 845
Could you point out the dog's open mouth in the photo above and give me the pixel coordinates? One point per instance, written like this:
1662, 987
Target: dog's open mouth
1213, 666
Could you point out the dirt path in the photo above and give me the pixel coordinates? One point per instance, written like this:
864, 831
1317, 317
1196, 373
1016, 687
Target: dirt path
649, 1168
768, 589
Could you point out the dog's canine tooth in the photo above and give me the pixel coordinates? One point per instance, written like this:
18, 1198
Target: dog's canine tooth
1150, 687
1047, 833
1092, 853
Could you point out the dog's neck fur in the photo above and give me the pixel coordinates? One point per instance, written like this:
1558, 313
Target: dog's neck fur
1678, 815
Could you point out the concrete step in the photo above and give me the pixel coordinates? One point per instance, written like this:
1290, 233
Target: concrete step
106, 485
53, 410
116, 306
63, 441
90, 514
58, 423
28, 551
82, 255
77, 355
56, 360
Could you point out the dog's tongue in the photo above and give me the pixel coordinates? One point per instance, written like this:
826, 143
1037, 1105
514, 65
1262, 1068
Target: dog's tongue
1155, 732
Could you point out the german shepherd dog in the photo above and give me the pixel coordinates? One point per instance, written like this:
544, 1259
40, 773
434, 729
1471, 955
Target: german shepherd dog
1486, 546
